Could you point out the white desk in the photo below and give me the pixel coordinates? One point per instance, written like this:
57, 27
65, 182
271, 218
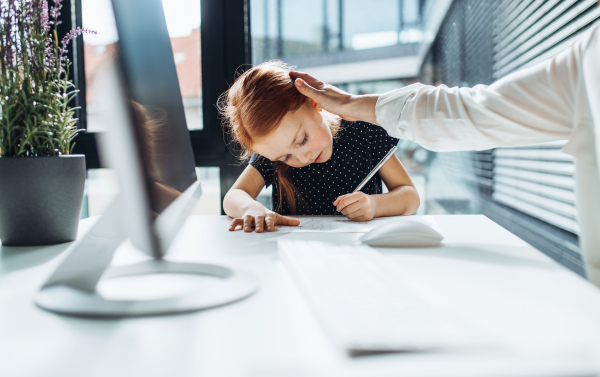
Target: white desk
547, 318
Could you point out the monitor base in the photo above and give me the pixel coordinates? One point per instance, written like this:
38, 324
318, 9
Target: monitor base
65, 299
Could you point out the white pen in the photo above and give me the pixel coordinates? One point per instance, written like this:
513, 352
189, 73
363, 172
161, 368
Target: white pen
372, 173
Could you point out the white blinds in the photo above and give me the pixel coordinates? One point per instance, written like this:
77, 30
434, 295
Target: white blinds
528, 32
537, 180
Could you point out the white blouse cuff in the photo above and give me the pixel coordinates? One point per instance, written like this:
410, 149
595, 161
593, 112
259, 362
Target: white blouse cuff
388, 110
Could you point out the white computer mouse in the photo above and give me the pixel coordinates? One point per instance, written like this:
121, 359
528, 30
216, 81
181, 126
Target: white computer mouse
403, 233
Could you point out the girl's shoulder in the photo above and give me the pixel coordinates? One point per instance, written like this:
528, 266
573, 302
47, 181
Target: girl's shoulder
362, 140
258, 160
265, 167
359, 129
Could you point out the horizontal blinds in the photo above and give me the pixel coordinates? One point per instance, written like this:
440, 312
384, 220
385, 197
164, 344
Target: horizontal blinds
528, 32
474, 167
528, 190
537, 180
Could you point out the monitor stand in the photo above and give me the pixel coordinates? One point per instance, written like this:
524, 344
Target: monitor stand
72, 287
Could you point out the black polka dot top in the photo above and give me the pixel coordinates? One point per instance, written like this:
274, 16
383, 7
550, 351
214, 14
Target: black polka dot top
357, 148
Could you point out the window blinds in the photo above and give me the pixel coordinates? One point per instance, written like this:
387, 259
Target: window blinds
537, 180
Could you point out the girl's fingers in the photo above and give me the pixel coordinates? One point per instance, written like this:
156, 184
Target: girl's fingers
270, 222
339, 198
262, 223
352, 208
259, 223
235, 223
248, 223
358, 215
346, 201
283, 220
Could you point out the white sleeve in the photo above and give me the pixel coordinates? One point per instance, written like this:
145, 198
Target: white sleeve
533, 105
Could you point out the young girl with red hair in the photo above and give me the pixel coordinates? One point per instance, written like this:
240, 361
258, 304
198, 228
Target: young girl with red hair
312, 158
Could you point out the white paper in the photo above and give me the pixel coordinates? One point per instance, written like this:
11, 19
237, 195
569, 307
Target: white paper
338, 224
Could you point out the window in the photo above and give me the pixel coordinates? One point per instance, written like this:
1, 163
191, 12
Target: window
183, 23
288, 28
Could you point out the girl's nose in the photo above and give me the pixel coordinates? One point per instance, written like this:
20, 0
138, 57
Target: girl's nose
306, 158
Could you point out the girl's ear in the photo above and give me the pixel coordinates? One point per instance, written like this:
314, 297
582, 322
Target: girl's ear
319, 108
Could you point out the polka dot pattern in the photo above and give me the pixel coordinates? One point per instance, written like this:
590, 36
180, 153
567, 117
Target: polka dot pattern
357, 148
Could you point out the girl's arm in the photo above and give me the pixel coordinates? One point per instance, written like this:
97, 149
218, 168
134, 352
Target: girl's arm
402, 198
240, 204
243, 192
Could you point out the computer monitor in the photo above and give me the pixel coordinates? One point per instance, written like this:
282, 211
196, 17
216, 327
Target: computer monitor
148, 145
151, 86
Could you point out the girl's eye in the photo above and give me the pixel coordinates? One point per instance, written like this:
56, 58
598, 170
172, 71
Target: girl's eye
304, 140
286, 158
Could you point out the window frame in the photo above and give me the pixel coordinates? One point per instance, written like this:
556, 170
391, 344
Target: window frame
225, 38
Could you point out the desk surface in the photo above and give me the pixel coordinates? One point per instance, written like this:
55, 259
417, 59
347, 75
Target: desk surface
545, 318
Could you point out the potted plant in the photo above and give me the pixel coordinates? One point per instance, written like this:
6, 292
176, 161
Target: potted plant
41, 182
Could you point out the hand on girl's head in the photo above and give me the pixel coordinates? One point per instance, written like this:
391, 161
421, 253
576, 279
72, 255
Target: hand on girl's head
357, 206
261, 220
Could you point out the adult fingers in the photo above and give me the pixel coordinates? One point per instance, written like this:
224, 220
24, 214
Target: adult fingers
309, 91
235, 223
284, 220
248, 223
259, 224
307, 79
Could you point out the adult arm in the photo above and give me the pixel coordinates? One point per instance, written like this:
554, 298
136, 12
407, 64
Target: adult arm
529, 106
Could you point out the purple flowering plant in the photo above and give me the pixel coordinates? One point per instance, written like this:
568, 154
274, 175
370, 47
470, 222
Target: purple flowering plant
35, 116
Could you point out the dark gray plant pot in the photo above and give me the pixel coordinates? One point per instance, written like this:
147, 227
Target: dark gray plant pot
40, 199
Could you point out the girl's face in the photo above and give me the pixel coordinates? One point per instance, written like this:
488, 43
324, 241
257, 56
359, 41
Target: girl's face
303, 137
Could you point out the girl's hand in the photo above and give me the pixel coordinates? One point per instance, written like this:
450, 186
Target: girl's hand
261, 219
357, 207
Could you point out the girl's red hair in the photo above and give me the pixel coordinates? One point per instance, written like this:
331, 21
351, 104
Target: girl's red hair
253, 108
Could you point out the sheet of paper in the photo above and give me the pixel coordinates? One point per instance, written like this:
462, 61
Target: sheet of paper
338, 224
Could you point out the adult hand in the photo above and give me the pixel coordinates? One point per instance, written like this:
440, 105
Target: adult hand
261, 220
347, 106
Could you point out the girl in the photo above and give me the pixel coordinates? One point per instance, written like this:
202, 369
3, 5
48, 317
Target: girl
312, 158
